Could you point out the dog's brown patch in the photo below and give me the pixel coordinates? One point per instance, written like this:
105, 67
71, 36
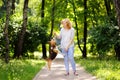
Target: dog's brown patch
52, 53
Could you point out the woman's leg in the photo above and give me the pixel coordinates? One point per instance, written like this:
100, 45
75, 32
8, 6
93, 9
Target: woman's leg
71, 58
66, 62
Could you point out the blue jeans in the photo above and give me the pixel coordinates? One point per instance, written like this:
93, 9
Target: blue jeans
69, 57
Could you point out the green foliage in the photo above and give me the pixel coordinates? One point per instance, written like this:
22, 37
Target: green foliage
38, 29
103, 38
1, 3
20, 69
34, 36
35, 33
102, 69
2, 8
2, 41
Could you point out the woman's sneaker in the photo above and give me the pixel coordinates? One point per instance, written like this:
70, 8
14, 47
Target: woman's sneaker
76, 74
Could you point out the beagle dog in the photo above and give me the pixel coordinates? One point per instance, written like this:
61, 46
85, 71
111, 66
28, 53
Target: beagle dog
53, 51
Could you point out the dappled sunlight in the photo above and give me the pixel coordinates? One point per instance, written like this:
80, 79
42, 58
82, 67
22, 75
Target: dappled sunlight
34, 62
37, 55
60, 67
108, 74
57, 72
27, 26
15, 69
102, 69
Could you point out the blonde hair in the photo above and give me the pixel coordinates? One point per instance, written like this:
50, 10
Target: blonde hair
68, 23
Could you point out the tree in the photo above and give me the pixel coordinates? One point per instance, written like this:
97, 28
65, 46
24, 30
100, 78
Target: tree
42, 20
13, 6
110, 11
85, 29
6, 31
117, 46
19, 44
52, 18
76, 25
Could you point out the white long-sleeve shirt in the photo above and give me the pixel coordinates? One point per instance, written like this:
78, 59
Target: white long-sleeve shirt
66, 36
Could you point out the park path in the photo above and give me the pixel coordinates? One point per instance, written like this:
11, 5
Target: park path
57, 72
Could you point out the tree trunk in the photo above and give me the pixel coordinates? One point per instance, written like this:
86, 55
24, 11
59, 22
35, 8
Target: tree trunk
76, 25
43, 44
6, 31
108, 7
52, 19
44, 51
117, 46
117, 51
13, 6
109, 11
19, 44
85, 29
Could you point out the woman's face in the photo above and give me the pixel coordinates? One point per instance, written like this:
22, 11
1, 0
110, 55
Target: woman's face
64, 24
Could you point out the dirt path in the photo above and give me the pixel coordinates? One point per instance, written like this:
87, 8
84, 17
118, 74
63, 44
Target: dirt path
57, 72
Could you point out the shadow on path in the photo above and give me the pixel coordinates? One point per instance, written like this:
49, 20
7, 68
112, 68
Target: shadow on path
58, 70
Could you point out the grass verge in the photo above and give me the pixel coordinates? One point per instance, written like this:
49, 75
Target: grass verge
20, 69
102, 69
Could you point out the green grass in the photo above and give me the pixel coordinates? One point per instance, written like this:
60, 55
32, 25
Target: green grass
20, 69
102, 69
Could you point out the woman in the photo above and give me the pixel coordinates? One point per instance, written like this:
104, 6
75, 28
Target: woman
67, 45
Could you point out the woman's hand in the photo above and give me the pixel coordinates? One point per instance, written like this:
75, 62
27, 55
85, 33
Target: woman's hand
66, 49
55, 35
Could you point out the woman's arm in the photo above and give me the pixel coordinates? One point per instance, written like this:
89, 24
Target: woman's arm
57, 36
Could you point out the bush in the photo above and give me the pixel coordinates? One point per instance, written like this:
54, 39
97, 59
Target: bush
103, 39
